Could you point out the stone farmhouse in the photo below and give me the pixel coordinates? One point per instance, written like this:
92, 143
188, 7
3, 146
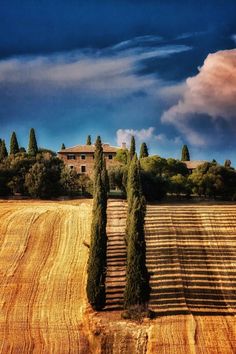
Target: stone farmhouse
81, 157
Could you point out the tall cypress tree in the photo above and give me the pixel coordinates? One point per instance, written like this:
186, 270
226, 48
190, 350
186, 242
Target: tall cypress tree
3, 151
185, 154
63, 146
89, 142
132, 148
143, 151
97, 254
33, 147
137, 285
14, 146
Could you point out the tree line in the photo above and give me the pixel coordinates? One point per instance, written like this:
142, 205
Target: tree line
162, 177
37, 172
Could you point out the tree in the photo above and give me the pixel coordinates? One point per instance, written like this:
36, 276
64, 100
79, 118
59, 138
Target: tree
185, 154
97, 251
89, 142
3, 151
22, 149
122, 156
14, 146
143, 151
43, 178
63, 146
179, 184
137, 286
132, 148
69, 181
214, 180
33, 147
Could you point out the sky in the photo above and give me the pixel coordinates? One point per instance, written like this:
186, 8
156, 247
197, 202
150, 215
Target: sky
163, 71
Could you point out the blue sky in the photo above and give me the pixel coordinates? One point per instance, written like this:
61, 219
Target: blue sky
164, 71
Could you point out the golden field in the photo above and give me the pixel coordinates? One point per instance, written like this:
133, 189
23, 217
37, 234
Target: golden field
191, 257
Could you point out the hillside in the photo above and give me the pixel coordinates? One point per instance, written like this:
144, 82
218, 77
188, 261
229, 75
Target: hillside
43, 272
191, 255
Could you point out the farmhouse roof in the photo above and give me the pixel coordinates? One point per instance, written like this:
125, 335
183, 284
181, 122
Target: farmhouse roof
88, 149
192, 165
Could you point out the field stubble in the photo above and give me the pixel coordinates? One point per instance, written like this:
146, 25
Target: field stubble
190, 254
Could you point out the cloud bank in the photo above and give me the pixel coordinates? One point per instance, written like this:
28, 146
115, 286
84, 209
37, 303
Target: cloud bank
211, 93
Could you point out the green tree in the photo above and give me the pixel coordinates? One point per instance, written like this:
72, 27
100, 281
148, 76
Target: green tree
185, 154
33, 147
137, 287
3, 151
63, 146
97, 252
43, 178
14, 146
22, 149
132, 148
89, 142
122, 156
143, 151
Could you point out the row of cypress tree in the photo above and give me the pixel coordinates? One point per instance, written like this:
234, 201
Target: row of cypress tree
14, 145
137, 284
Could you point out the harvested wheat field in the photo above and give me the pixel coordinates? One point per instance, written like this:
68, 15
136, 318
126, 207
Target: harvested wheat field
43, 272
191, 257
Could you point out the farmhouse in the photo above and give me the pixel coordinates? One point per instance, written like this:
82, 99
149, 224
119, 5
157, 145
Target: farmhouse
81, 157
192, 165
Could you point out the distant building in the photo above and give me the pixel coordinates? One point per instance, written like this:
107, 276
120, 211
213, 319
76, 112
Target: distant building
81, 157
192, 165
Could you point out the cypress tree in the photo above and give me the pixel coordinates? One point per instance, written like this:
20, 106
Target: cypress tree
137, 286
97, 252
3, 151
132, 148
33, 147
89, 142
14, 146
63, 146
185, 154
144, 151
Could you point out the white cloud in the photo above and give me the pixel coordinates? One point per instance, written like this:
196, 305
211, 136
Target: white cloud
212, 93
146, 135
111, 71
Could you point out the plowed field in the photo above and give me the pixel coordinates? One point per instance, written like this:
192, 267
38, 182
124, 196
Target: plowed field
191, 257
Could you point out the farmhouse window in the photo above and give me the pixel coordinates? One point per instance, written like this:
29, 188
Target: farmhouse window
83, 157
71, 157
110, 157
83, 169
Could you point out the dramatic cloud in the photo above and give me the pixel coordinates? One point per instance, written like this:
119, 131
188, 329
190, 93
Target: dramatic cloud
211, 93
111, 71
